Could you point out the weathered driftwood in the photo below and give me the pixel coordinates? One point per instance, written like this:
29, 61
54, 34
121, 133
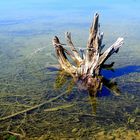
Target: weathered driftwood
87, 67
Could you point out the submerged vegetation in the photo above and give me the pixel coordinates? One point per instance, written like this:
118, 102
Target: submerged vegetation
37, 103
63, 110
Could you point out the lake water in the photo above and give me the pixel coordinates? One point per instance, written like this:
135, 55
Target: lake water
26, 30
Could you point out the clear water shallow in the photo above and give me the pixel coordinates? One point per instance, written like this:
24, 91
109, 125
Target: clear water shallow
28, 26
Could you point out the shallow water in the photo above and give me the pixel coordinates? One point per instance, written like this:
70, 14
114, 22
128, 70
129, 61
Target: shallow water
26, 30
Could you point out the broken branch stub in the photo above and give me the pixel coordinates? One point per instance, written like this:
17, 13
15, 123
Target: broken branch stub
90, 64
73, 49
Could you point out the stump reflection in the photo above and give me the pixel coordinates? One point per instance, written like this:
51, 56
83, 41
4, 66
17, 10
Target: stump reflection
93, 85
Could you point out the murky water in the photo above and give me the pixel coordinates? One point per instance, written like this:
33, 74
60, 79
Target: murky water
49, 104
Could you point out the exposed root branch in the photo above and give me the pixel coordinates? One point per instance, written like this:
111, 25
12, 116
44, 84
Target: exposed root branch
31, 108
58, 108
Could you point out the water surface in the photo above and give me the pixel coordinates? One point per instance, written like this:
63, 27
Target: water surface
26, 30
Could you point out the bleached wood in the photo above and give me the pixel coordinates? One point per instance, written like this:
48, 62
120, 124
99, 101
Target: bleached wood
92, 53
62, 58
92, 59
77, 56
113, 49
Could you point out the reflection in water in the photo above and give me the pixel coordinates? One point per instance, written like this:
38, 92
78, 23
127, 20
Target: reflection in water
94, 86
99, 86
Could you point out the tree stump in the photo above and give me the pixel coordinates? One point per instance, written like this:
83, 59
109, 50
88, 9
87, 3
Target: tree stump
88, 65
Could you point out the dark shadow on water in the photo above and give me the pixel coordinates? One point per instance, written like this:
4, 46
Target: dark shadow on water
120, 71
109, 74
52, 69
